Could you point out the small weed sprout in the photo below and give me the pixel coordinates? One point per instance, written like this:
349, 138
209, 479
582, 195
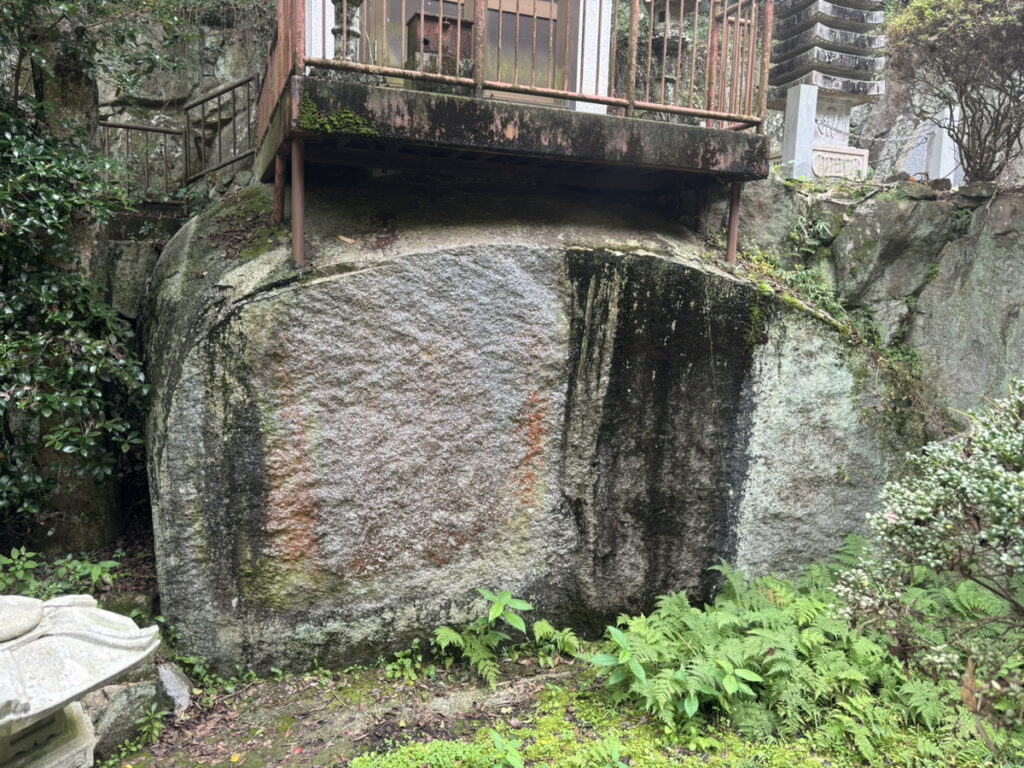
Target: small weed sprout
151, 724
410, 665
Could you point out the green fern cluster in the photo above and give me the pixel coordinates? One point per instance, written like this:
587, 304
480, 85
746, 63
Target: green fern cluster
479, 642
552, 644
773, 658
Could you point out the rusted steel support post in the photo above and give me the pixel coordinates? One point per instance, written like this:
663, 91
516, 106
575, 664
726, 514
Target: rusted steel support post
634, 34
186, 140
766, 57
278, 188
299, 30
298, 203
731, 246
479, 41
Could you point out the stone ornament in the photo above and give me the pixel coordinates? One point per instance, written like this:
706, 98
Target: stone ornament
52, 654
827, 58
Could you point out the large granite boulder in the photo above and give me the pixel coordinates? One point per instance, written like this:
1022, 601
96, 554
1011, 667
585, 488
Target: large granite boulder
942, 277
968, 325
887, 252
560, 397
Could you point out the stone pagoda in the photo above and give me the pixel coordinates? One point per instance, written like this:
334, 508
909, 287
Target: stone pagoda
827, 58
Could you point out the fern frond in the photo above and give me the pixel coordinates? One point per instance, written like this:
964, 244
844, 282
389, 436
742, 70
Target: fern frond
807, 610
542, 630
923, 699
446, 636
567, 642
488, 670
812, 638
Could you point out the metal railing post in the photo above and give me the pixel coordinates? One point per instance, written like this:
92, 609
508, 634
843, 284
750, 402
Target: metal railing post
299, 30
186, 140
279, 171
766, 57
710, 99
479, 41
298, 203
732, 241
634, 34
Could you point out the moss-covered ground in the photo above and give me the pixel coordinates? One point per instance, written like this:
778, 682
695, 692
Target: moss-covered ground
544, 717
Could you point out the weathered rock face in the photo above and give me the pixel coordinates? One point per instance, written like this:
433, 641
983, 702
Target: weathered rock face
968, 325
886, 252
470, 389
943, 277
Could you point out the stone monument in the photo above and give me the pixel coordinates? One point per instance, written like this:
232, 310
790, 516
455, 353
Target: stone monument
51, 655
825, 60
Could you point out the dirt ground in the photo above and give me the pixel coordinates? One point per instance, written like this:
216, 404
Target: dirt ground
320, 719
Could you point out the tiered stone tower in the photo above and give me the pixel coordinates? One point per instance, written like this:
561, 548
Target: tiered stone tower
826, 60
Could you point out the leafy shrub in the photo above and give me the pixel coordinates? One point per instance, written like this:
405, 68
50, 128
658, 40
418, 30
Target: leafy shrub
25, 573
68, 379
962, 510
945, 581
965, 57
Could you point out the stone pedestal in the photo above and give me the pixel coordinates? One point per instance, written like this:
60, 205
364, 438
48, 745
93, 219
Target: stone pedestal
943, 155
833, 155
798, 134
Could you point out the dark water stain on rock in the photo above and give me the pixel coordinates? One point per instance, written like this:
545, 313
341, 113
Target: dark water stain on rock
658, 356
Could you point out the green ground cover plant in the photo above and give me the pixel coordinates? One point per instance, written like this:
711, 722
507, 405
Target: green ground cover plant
479, 643
774, 659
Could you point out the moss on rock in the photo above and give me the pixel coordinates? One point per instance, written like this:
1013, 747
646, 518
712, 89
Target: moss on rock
340, 121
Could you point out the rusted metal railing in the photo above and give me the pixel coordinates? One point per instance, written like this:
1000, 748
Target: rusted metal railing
694, 61
698, 59
280, 63
154, 157
219, 127
162, 161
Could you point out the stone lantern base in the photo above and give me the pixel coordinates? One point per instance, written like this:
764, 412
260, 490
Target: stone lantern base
63, 739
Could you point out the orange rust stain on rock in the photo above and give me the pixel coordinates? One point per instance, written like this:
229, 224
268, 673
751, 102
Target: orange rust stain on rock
291, 505
532, 431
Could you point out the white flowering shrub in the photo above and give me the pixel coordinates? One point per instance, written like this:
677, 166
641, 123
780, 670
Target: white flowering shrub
962, 509
943, 575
